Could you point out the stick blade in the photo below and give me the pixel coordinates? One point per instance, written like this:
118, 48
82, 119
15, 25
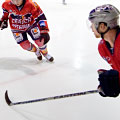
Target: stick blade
8, 101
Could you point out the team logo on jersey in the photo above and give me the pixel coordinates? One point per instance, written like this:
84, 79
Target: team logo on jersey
21, 21
108, 59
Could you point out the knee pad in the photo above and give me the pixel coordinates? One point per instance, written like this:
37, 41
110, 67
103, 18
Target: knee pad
44, 38
39, 43
26, 45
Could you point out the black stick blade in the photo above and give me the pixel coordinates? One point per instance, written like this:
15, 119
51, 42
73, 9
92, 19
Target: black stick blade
7, 99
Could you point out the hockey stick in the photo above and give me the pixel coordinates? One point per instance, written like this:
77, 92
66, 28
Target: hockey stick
10, 103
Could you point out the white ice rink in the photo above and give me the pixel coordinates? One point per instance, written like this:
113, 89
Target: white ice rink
74, 48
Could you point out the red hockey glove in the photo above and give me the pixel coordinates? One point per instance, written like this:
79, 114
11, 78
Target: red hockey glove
3, 24
109, 83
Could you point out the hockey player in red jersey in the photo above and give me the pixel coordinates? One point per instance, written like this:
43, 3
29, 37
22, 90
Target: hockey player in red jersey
26, 18
105, 24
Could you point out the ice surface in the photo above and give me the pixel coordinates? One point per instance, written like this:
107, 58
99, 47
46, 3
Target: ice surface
74, 69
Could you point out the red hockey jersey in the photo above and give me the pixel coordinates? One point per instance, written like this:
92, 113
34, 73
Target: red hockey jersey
21, 19
112, 58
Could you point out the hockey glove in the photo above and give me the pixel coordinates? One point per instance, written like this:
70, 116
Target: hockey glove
3, 24
109, 83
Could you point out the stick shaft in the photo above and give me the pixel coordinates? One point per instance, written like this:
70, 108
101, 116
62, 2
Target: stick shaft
55, 97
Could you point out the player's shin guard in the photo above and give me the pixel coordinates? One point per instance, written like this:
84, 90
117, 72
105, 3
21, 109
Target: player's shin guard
26, 45
44, 51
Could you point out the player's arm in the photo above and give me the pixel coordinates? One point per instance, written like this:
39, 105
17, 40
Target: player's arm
4, 19
40, 17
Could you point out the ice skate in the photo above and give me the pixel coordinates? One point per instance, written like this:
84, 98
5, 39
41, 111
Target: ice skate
49, 57
38, 54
